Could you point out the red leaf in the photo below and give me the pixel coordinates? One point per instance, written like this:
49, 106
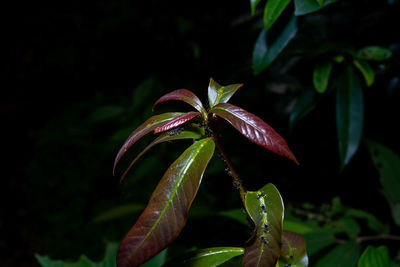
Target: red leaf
254, 128
185, 96
181, 119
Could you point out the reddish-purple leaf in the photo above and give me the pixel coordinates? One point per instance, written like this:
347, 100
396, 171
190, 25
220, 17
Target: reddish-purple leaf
146, 127
254, 128
175, 122
185, 96
166, 213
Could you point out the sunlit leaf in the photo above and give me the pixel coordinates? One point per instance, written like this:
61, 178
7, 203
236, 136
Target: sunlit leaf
273, 9
376, 53
305, 103
366, 71
185, 96
293, 251
219, 93
175, 122
372, 257
254, 128
321, 76
303, 7
349, 115
265, 209
206, 257
345, 255
263, 54
146, 127
253, 5
166, 213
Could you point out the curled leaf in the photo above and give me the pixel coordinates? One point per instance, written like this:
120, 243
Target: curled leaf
219, 93
293, 251
366, 71
175, 122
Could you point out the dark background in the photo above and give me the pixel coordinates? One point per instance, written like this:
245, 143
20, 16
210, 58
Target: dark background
77, 77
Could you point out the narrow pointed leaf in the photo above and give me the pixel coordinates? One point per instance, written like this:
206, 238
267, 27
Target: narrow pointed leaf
349, 115
185, 96
366, 71
273, 9
206, 257
265, 209
321, 75
175, 122
376, 53
254, 128
161, 139
293, 251
220, 94
253, 5
303, 7
166, 213
146, 127
345, 255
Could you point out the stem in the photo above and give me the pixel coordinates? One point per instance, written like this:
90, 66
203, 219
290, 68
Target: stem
378, 237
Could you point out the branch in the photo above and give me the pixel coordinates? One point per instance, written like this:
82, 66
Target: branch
378, 237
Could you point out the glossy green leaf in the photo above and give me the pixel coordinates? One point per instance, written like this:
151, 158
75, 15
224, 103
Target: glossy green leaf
303, 7
146, 127
305, 103
349, 115
263, 54
345, 255
372, 257
273, 9
293, 251
166, 213
118, 212
219, 93
254, 128
388, 165
265, 209
376, 53
366, 71
318, 239
321, 75
206, 257
253, 5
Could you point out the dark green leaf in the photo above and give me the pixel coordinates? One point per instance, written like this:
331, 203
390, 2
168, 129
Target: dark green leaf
166, 213
273, 9
318, 239
219, 93
366, 71
206, 257
345, 255
253, 5
345, 225
105, 113
376, 53
305, 103
372, 257
303, 7
321, 76
265, 209
372, 222
349, 115
293, 251
263, 55
320, 2
236, 214
297, 227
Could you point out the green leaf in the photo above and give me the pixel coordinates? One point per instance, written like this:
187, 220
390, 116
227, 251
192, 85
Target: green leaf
305, 103
293, 251
158, 260
321, 76
372, 222
345, 255
118, 212
372, 257
263, 55
166, 213
388, 165
206, 257
349, 115
253, 5
376, 53
220, 94
236, 214
318, 239
366, 71
265, 209
297, 227
273, 9
303, 7
346, 225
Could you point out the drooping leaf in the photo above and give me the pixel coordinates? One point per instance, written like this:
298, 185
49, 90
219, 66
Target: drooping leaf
185, 96
345, 255
377, 53
254, 128
349, 115
166, 213
318, 239
303, 7
293, 253
379, 256
170, 136
321, 76
175, 122
388, 165
206, 257
253, 5
305, 103
146, 127
265, 209
273, 9
264, 55
366, 71
219, 93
